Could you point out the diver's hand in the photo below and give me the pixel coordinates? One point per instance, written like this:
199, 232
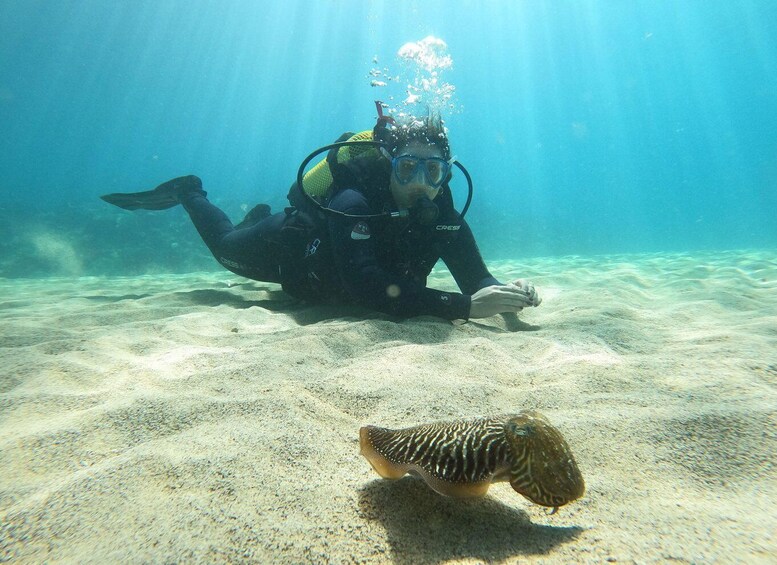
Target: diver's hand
496, 299
530, 291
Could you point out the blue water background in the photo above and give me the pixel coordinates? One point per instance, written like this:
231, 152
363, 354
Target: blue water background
588, 126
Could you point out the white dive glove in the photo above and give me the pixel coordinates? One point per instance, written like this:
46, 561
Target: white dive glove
512, 297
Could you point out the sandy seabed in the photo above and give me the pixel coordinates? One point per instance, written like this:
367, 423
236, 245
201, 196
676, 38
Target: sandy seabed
206, 418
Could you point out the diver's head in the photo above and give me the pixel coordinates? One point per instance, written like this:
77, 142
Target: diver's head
420, 159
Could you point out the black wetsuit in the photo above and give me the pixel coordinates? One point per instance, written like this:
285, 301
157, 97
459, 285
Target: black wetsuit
380, 263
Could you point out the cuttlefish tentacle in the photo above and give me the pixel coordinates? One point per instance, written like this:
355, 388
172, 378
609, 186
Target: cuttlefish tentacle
463, 458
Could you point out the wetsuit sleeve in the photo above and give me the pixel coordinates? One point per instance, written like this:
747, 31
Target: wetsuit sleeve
369, 284
463, 259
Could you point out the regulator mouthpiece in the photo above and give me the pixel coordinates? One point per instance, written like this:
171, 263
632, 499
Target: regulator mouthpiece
424, 211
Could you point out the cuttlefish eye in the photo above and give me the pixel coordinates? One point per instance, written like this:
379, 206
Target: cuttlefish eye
522, 430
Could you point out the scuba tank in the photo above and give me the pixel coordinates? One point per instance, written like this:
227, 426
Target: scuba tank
321, 181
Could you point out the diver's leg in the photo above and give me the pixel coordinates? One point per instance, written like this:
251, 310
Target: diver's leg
254, 252
254, 216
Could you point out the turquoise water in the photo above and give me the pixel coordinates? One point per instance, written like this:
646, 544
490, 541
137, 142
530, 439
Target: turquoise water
588, 127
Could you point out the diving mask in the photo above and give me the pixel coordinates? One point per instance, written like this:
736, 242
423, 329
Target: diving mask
406, 167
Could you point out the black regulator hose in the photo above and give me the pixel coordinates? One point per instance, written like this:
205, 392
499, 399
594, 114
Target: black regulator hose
395, 214
469, 189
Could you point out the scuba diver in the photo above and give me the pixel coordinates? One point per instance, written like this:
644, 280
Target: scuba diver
366, 226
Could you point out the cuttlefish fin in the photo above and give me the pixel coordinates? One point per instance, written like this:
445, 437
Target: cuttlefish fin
448, 488
385, 468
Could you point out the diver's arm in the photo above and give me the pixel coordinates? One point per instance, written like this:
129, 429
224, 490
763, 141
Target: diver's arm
368, 283
463, 259
488, 296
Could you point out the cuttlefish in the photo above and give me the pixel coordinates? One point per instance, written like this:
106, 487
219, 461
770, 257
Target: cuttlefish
463, 458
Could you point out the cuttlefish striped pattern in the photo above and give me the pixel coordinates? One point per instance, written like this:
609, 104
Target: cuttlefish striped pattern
463, 458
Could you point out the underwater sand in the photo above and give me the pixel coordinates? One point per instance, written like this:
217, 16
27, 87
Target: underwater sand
206, 418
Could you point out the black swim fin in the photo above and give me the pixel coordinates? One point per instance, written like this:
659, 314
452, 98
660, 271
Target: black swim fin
165, 196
